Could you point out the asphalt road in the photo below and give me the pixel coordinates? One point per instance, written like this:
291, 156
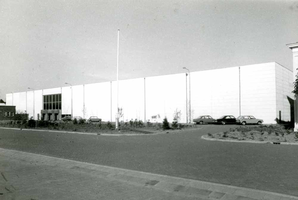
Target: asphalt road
184, 154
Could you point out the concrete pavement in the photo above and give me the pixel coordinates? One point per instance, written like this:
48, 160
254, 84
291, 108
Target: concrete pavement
33, 176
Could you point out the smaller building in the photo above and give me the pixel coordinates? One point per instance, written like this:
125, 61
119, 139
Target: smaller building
2, 102
7, 112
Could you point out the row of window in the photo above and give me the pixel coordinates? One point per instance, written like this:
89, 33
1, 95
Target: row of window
9, 114
52, 102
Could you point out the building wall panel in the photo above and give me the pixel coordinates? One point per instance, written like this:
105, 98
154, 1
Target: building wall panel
215, 92
97, 100
131, 99
165, 95
284, 87
258, 91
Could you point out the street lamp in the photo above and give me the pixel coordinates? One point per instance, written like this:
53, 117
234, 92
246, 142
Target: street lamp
117, 114
33, 101
71, 99
189, 94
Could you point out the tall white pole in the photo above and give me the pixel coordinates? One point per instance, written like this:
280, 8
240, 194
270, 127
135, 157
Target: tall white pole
189, 101
117, 114
71, 102
71, 106
33, 104
186, 99
190, 114
84, 109
26, 102
33, 101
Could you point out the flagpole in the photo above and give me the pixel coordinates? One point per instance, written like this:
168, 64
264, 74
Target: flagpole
117, 114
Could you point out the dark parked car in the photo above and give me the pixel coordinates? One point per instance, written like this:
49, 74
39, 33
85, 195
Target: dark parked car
94, 119
248, 119
226, 119
204, 119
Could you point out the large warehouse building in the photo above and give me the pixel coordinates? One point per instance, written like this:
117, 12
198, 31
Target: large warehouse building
262, 90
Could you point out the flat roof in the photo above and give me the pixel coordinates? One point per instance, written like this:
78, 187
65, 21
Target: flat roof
293, 45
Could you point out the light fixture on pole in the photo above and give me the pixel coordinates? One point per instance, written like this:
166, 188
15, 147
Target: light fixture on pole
33, 101
71, 103
189, 107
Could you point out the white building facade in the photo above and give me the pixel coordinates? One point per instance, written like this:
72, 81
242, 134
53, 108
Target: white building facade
262, 90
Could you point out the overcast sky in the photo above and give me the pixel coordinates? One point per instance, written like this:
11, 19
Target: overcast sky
45, 43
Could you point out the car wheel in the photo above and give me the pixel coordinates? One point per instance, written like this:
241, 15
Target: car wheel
223, 123
259, 122
243, 123
201, 122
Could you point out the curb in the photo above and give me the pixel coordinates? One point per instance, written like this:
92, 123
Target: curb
180, 186
99, 134
84, 133
205, 137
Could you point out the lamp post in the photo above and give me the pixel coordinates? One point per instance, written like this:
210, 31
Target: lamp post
33, 101
117, 114
189, 107
26, 103
71, 104
186, 97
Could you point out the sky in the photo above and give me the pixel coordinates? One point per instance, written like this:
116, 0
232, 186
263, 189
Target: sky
44, 44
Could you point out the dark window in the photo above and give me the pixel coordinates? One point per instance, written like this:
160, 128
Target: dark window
52, 102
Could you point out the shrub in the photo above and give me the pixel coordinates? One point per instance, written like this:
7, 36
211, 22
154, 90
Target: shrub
43, 123
75, 121
131, 123
225, 134
175, 124
31, 123
140, 123
165, 124
110, 125
82, 121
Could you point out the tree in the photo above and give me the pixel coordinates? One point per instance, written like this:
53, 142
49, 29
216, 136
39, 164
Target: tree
165, 124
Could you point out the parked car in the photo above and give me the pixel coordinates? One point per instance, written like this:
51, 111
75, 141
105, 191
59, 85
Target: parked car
248, 119
66, 118
226, 119
204, 119
94, 119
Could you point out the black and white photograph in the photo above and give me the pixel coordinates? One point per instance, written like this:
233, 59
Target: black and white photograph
149, 100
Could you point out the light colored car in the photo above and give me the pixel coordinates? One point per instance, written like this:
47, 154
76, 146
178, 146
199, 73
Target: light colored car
204, 119
248, 119
94, 119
